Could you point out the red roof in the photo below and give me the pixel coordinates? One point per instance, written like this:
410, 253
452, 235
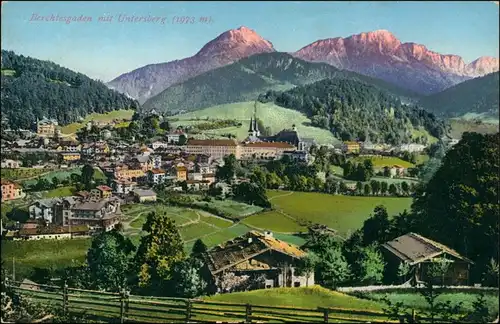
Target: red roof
104, 188
270, 145
212, 142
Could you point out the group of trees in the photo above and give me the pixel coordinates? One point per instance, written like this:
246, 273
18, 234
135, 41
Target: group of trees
352, 110
383, 188
40, 89
359, 171
337, 262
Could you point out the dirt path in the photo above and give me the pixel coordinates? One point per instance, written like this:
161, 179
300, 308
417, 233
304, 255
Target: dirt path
283, 195
126, 225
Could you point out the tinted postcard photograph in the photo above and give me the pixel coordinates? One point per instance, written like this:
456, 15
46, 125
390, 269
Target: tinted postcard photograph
250, 162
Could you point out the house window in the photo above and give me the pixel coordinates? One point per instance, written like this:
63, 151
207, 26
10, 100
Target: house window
296, 284
268, 286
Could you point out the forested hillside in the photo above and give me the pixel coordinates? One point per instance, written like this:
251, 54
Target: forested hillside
478, 96
354, 110
34, 89
246, 79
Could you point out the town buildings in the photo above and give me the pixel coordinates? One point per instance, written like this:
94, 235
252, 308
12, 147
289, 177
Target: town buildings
143, 195
217, 149
156, 176
351, 147
48, 232
46, 127
123, 186
10, 164
98, 214
11, 190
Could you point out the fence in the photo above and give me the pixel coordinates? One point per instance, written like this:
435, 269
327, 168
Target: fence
123, 307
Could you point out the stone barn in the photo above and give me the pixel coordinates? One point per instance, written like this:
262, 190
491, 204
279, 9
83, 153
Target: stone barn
254, 261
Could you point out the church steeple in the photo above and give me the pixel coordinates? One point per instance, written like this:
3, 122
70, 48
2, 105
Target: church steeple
253, 130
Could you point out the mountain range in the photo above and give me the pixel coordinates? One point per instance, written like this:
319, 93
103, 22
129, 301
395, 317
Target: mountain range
477, 96
246, 79
231, 46
378, 54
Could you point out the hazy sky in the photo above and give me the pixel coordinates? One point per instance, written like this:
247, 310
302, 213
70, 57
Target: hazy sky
105, 50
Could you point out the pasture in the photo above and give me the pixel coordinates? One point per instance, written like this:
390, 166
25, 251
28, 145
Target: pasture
59, 192
24, 256
306, 297
414, 299
342, 213
235, 209
115, 114
275, 117
274, 221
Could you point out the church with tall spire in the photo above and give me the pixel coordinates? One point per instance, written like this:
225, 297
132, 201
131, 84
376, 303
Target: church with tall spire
290, 136
253, 130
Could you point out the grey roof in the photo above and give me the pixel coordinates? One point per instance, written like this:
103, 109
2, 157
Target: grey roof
144, 192
49, 202
72, 200
142, 158
91, 205
414, 248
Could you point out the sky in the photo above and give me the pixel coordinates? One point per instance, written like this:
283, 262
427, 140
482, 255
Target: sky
105, 49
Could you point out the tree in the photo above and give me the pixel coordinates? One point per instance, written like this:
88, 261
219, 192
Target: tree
371, 265
55, 181
375, 186
403, 270
307, 266
405, 187
108, 261
368, 165
228, 170
251, 193
359, 187
273, 181
182, 139
199, 248
165, 125
87, 176
383, 187
393, 190
158, 252
377, 228
333, 269
439, 268
367, 189
490, 277
459, 205
187, 278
